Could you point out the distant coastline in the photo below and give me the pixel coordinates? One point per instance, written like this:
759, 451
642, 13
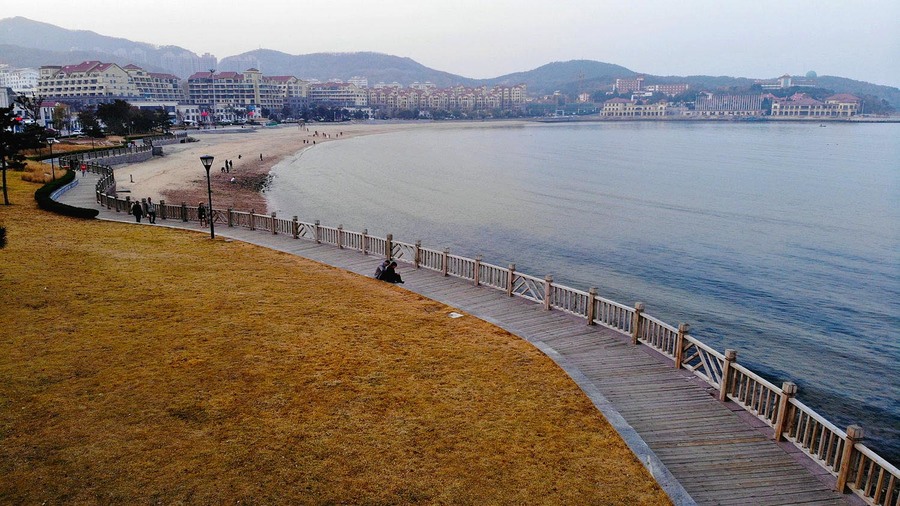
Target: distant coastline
706, 119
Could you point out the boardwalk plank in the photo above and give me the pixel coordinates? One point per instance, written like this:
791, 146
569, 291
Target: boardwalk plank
718, 457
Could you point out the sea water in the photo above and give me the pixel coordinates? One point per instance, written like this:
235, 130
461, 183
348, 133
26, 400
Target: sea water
779, 240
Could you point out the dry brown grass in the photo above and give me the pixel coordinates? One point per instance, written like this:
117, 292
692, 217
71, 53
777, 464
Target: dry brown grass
140, 364
40, 172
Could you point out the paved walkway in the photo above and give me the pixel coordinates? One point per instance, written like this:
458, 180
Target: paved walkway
700, 450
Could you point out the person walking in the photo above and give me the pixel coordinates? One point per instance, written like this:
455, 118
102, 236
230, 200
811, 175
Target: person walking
151, 210
137, 211
201, 214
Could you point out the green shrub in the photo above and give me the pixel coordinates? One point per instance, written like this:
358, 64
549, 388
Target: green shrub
42, 196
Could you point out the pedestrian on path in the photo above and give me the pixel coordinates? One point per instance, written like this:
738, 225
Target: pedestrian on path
151, 210
201, 214
137, 211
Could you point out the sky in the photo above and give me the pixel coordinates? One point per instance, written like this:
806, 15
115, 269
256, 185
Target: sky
858, 39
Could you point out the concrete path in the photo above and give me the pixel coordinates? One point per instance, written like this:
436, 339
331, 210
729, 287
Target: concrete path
700, 450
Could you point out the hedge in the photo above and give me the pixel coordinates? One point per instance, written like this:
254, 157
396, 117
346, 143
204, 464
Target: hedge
42, 196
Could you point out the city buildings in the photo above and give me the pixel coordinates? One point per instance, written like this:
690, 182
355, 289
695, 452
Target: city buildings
428, 97
22, 81
727, 104
228, 96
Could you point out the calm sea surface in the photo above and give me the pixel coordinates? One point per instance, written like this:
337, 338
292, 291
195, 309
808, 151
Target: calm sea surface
778, 240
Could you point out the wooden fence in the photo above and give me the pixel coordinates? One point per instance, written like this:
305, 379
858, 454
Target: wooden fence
854, 466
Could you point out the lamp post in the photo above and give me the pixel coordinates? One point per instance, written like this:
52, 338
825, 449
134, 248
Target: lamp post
52, 168
207, 161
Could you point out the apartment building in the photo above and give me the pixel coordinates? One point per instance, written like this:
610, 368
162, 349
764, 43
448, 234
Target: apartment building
22, 81
453, 98
230, 95
337, 94
629, 85
91, 82
155, 86
669, 90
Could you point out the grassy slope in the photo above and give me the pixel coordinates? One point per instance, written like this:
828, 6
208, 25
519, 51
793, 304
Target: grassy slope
145, 364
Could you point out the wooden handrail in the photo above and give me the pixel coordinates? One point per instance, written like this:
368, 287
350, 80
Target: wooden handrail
856, 466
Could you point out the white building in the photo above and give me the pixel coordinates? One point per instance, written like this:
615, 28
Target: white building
21, 81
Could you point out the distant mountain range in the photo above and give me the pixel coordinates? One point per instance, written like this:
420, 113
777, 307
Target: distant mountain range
27, 43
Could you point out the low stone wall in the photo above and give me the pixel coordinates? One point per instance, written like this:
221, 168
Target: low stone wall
126, 158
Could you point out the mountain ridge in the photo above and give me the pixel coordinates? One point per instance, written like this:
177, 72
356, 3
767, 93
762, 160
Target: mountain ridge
48, 44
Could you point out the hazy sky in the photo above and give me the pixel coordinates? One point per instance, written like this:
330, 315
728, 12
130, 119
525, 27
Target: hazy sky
487, 38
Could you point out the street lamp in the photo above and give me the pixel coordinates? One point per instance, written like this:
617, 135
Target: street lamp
52, 168
207, 161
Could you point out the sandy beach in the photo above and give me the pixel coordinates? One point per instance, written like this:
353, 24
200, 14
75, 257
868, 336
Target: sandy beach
178, 176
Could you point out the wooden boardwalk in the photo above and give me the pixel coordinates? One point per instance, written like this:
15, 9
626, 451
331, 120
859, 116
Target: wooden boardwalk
700, 450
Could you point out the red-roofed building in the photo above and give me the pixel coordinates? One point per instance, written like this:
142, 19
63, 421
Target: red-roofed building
844, 104
624, 108
801, 105
231, 96
90, 81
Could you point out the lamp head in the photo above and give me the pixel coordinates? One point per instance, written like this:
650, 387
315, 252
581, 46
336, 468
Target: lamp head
207, 161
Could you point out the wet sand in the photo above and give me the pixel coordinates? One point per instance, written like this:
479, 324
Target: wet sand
178, 176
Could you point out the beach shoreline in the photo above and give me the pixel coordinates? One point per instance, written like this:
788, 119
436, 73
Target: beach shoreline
178, 176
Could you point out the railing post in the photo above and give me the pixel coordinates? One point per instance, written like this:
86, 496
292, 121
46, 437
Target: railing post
510, 277
854, 434
365, 240
389, 246
477, 274
127, 203
548, 289
295, 228
788, 391
316, 230
274, 228
109, 206
184, 211
418, 254
162, 209
144, 206
445, 261
591, 304
683, 328
636, 322
253, 219
725, 386
340, 237
230, 217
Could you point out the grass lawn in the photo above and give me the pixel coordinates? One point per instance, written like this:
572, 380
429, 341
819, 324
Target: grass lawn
145, 365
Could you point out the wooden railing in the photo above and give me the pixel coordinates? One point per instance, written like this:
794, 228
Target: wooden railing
99, 154
854, 466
